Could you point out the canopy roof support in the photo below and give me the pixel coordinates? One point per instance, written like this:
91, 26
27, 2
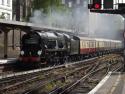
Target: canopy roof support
5, 44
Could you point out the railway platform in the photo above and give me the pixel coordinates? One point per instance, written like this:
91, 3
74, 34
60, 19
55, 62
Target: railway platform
7, 61
113, 83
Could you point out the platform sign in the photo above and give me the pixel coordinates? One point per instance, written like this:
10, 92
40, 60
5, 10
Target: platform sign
108, 4
121, 6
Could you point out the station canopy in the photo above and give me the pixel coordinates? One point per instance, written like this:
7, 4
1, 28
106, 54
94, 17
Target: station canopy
9, 24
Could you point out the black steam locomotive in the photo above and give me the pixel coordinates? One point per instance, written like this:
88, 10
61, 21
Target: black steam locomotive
55, 47
48, 47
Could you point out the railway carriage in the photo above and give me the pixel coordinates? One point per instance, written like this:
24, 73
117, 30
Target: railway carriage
87, 46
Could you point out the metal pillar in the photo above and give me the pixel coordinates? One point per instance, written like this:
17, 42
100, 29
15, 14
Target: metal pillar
124, 42
124, 45
13, 42
17, 10
20, 37
5, 44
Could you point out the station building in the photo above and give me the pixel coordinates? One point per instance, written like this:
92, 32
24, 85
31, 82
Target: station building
6, 9
73, 3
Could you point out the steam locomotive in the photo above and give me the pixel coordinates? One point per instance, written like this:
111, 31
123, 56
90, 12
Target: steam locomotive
58, 47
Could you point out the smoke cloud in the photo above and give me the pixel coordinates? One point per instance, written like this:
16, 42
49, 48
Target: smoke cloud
106, 26
82, 22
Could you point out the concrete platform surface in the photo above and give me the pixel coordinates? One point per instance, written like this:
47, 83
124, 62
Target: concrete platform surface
7, 61
113, 83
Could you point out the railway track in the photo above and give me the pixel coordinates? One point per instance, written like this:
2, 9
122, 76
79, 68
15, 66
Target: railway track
7, 68
86, 87
11, 66
29, 82
60, 88
38, 77
87, 82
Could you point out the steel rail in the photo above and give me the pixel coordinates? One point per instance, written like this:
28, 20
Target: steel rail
84, 79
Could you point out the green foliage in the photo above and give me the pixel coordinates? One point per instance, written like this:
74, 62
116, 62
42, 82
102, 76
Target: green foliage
2, 16
48, 5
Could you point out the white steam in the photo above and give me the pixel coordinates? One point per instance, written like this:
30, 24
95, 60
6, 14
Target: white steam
106, 26
82, 22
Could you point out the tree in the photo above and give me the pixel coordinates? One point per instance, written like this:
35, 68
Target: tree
2, 16
50, 12
48, 5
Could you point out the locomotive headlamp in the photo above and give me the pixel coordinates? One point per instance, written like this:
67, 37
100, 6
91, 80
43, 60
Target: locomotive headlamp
22, 52
39, 52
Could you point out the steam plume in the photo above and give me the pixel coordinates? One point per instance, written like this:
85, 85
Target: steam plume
82, 22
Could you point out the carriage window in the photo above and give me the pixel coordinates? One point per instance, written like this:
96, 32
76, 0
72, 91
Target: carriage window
83, 44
